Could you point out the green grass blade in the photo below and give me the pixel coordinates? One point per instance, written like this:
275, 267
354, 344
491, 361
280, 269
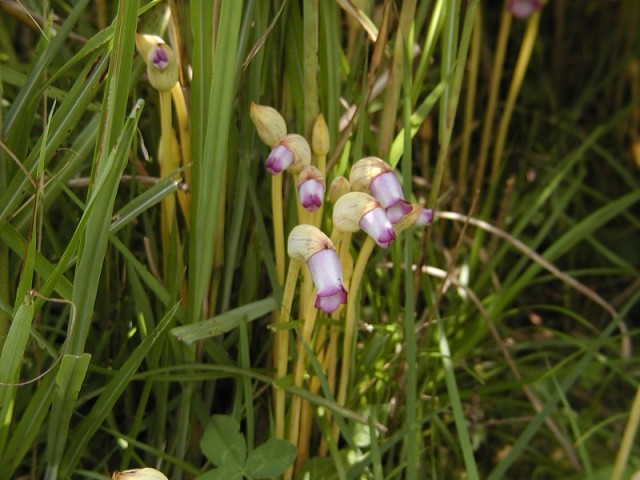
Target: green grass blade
68, 383
96, 234
10, 361
209, 162
224, 322
112, 392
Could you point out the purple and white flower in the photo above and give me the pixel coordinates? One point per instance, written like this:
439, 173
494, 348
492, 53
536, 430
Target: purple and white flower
358, 210
307, 244
311, 188
291, 153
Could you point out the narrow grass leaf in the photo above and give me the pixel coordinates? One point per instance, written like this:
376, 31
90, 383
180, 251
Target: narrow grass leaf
68, 383
456, 406
30, 92
93, 248
224, 322
28, 427
10, 361
112, 392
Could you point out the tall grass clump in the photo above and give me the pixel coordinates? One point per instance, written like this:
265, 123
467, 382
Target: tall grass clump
319, 239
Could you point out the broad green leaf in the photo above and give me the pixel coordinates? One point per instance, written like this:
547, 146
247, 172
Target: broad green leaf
222, 473
270, 459
223, 443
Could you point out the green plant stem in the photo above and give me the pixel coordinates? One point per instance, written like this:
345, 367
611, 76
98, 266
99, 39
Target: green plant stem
281, 344
350, 323
392, 95
524, 56
461, 60
413, 441
298, 379
278, 225
310, 64
494, 91
630, 432
167, 165
470, 101
182, 115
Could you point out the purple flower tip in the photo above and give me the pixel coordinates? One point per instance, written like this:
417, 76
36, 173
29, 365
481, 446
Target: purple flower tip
425, 218
387, 189
523, 8
159, 58
378, 227
310, 193
279, 159
326, 273
397, 211
330, 303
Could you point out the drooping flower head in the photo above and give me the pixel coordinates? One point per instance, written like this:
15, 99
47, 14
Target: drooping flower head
372, 174
292, 153
358, 210
522, 9
310, 188
307, 244
162, 66
269, 124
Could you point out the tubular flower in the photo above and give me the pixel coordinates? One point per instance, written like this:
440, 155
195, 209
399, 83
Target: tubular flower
269, 124
522, 9
311, 188
376, 176
162, 66
307, 244
139, 474
358, 210
291, 153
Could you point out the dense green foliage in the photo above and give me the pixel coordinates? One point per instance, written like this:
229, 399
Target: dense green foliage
136, 300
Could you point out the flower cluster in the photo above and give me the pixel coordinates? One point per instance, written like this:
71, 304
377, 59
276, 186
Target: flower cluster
371, 199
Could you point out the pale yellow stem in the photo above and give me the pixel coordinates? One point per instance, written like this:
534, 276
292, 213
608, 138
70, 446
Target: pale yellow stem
281, 344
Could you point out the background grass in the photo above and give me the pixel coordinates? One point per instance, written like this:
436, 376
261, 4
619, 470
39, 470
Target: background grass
508, 350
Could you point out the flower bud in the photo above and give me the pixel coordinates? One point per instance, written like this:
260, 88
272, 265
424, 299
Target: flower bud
339, 186
311, 188
269, 123
139, 474
291, 153
162, 66
320, 136
358, 210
